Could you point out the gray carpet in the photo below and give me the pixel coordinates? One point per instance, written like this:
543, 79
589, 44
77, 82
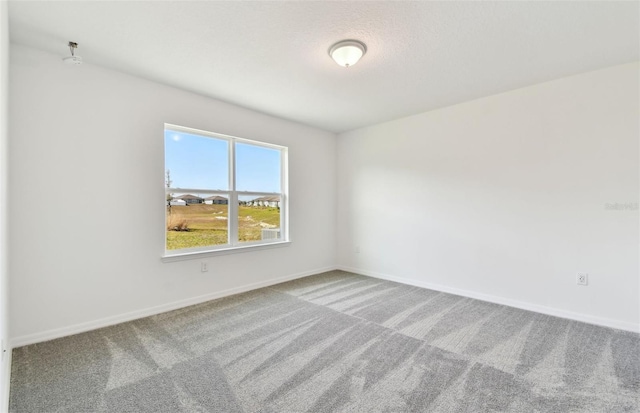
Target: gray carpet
334, 342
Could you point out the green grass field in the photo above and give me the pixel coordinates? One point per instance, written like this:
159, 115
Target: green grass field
207, 224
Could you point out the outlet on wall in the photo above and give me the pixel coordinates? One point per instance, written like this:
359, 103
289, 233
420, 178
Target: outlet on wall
357, 249
582, 278
204, 267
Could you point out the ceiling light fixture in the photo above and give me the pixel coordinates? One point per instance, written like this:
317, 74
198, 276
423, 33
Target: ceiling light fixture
73, 59
347, 52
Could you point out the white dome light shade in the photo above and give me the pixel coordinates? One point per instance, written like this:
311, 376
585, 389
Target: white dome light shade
347, 52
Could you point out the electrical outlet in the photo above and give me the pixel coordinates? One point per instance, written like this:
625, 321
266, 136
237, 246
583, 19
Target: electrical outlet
582, 278
204, 267
357, 249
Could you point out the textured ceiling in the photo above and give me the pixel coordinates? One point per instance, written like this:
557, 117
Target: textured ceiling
272, 56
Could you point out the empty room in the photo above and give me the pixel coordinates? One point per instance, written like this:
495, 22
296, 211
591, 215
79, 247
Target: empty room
320, 206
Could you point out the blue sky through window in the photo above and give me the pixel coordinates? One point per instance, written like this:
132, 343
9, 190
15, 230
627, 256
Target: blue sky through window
257, 168
201, 162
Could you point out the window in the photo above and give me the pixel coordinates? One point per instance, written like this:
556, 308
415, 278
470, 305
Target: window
222, 192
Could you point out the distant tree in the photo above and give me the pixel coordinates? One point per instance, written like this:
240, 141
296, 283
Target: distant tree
169, 195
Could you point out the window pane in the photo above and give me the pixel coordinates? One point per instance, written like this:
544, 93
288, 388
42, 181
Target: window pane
258, 218
257, 168
197, 220
193, 161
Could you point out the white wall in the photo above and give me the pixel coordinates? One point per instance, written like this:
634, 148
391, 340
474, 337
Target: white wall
4, 249
83, 137
504, 198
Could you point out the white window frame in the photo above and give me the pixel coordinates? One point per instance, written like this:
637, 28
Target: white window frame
232, 195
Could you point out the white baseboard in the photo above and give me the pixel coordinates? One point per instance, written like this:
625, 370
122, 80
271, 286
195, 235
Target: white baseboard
606, 322
134, 315
6, 381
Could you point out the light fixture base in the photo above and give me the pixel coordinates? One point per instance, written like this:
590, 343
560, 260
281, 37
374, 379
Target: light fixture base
72, 60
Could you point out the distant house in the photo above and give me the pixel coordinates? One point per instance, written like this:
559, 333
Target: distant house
191, 199
216, 200
266, 201
178, 202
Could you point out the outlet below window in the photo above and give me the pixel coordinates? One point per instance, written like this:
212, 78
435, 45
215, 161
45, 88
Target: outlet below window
582, 278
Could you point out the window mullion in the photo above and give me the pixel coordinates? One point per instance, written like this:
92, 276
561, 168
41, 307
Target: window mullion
233, 195
233, 218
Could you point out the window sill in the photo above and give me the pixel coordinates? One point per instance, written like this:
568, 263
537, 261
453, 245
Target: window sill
224, 251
